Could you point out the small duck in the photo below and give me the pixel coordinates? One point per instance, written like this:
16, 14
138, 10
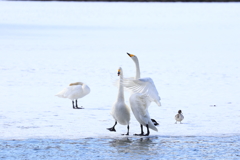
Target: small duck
179, 117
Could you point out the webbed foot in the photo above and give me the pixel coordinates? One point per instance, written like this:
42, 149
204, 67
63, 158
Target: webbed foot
125, 134
141, 134
112, 129
79, 107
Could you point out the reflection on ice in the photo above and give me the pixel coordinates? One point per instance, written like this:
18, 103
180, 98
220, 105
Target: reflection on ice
123, 148
138, 146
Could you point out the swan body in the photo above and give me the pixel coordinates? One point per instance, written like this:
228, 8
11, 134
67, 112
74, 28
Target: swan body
120, 111
142, 85
74, 91
179, 117
139, 105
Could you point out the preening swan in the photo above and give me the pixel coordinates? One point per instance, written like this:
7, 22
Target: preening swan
74, 91
179, 117
139, 104
142, 85
120, 111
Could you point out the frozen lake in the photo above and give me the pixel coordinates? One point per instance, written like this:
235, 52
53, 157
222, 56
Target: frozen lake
190, 50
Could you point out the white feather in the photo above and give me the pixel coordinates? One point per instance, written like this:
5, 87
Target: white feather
141, 85
139, 104
74, 91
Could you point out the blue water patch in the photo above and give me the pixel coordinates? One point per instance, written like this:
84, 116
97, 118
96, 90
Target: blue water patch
156, 147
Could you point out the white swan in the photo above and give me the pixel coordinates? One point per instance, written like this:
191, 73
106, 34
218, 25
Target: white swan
143, 93
142, 85
120, 111
74, 91
179, 117
139, 104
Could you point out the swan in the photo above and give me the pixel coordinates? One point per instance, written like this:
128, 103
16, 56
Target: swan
142, 85
120, 111
74, 91
139, 103
143, 93
179, 117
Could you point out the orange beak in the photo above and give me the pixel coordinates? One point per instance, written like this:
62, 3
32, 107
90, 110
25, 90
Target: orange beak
130, 55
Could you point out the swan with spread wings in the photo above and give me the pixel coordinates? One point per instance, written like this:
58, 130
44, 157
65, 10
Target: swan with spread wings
143, 93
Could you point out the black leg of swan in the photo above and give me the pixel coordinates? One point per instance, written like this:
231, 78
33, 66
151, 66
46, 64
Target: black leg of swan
73, 105
148, 132
77, 106
142, 133
113, 128
127, 131
76, 103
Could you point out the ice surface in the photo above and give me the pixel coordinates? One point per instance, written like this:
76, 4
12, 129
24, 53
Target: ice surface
190, 50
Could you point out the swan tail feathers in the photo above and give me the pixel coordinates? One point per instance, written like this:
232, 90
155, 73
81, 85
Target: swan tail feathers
62, 94
158, 103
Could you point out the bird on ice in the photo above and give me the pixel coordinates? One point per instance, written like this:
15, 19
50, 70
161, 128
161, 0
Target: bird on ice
179, 117
74, 91
120, 111
143, 93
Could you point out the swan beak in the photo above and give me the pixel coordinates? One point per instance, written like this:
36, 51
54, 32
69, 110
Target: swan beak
130, 55
118, 72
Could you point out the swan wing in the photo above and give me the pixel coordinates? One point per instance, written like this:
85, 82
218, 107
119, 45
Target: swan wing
143, 85
116, 81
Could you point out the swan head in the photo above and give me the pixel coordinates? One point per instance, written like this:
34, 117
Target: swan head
134, 58
180, 112
119, 71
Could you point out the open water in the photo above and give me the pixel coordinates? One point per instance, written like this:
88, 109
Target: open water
153, 147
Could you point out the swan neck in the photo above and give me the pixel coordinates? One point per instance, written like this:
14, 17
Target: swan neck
121, 90
137, 69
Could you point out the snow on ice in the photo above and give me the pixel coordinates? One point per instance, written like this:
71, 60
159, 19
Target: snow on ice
190, 50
